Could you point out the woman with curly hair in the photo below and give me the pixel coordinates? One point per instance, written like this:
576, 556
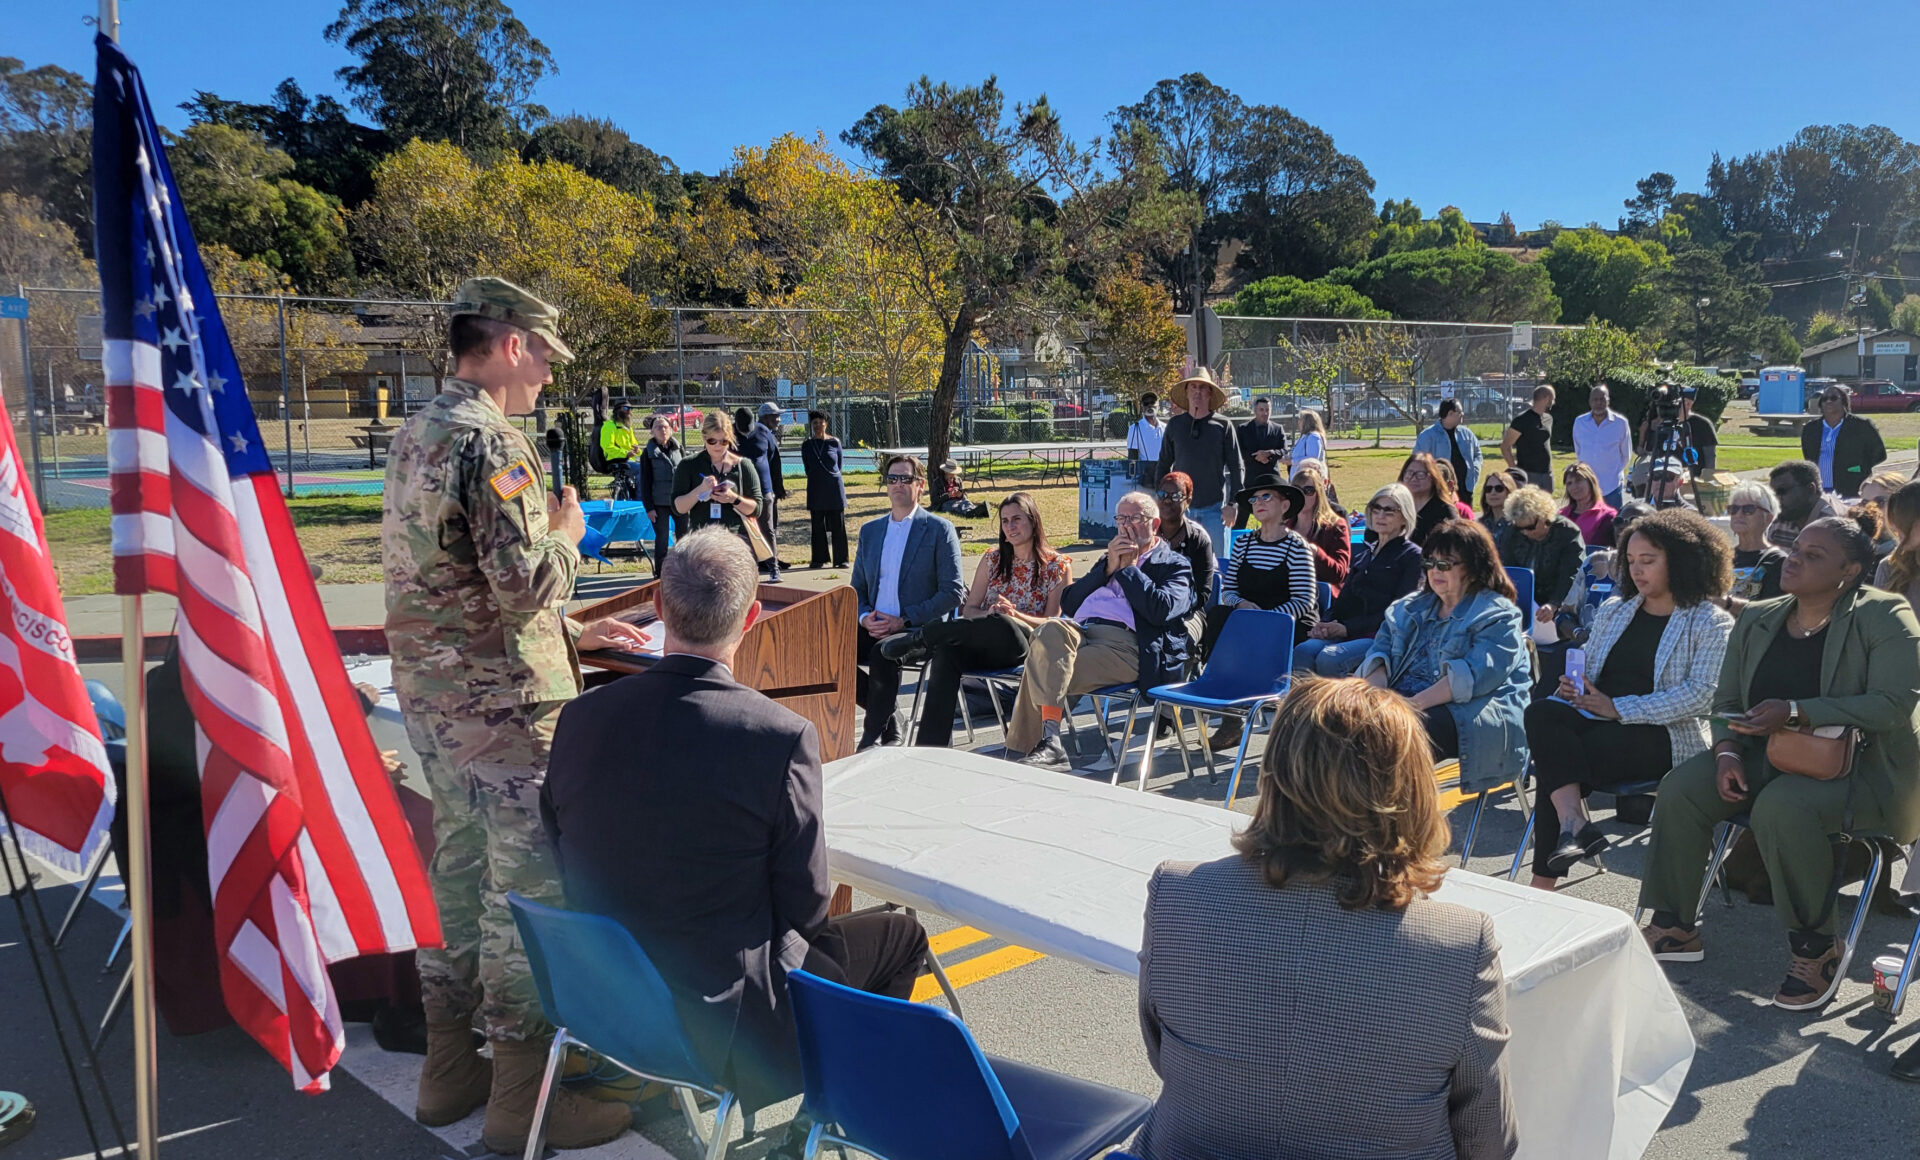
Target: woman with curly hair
1540, 538
1342, 856
1653, 658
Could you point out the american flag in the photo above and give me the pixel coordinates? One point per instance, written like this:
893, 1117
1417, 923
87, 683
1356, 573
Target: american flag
309, 856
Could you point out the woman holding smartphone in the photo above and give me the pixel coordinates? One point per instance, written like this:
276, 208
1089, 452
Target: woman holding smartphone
1641, 704
717, 486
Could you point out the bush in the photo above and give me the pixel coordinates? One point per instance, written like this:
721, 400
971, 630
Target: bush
1026, 421
1630, 389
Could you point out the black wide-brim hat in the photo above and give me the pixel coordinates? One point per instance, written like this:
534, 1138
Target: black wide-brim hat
1271, 481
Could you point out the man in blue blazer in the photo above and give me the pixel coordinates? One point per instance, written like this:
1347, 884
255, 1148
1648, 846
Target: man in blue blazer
906, 572
1123, 622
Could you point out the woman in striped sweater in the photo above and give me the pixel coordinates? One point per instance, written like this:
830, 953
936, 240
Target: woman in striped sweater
1271, 570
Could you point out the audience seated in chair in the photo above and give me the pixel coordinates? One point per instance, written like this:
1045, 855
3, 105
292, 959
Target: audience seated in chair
1382, 573
713, 855
1537, 536
1271, 570
1124, 622
1325, 528
1330, 885
1652, 660
1830, 652
1183, 534
1458, 653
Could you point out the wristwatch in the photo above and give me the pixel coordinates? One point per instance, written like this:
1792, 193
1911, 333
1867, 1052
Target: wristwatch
1793, 714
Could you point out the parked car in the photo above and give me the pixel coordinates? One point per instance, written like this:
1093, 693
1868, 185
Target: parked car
691, 422
1747, 389
1879, 395
1374, 409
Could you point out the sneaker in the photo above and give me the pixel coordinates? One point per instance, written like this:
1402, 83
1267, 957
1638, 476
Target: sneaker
1049, 755
1672, 944
1810, 982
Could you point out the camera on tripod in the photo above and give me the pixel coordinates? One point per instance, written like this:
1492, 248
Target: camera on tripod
1665, 401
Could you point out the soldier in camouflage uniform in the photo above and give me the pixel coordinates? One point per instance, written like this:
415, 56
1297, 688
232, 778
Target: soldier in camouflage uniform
480, 562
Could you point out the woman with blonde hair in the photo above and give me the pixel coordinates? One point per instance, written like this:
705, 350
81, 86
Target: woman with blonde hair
718, 485
1324, 529
1900, 571
1537, 536
1311, 442
1342, 856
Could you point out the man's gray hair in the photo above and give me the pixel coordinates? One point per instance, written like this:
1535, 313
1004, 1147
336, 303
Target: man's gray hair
707, 583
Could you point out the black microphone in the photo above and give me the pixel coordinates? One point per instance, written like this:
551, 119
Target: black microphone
554, 448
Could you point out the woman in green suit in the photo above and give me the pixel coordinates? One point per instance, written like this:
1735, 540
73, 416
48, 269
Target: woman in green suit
1829, 652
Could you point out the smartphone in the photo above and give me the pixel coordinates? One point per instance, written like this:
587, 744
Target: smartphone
1577, 669
1731, 716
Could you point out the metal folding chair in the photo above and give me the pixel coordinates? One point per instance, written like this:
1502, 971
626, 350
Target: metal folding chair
1249, 670
1628, 789
1447, 776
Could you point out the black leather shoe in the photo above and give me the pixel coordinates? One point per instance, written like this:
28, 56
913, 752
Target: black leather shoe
904, 648
1588, 843
1906, 1066
1050, 755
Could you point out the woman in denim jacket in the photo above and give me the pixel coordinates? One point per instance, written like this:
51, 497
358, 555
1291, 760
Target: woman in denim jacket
1458, 652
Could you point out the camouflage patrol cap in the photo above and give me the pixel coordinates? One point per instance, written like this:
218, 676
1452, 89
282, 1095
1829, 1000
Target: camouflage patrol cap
502, 301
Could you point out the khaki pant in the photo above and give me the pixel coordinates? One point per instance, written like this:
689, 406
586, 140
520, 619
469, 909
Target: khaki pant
485, 771
1067, 658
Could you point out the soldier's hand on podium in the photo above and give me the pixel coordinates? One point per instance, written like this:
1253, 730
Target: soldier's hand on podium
608, 632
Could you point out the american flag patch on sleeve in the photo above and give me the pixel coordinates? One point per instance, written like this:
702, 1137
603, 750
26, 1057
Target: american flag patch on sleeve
512, 481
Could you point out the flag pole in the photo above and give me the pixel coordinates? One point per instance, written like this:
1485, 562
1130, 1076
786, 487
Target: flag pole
138, 870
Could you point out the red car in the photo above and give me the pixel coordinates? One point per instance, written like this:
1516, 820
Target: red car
1880, 395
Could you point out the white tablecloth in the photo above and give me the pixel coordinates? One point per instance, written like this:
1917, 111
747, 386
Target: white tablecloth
1060, 864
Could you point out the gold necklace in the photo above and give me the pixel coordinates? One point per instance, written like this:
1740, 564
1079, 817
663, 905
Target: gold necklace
1805, 631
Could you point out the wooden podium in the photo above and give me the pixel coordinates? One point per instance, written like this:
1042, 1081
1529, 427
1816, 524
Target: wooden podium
799, 652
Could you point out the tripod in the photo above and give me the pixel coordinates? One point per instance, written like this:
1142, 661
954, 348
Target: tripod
1672, 442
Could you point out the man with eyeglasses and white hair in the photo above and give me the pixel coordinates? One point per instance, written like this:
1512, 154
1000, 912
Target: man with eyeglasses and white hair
1121, 623
1845, 447
906, 572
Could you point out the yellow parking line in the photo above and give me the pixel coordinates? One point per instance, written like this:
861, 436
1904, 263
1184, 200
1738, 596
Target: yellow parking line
975, 969
953, 940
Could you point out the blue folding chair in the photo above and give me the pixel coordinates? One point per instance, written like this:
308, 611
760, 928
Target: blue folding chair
906, 1081
1233, 537
1249, 669
601, 991
1326, 599
593, 546
1523, 589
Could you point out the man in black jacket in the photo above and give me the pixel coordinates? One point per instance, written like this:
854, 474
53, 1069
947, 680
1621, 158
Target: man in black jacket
1263, 450
712, 852
1846, 447
1121, 622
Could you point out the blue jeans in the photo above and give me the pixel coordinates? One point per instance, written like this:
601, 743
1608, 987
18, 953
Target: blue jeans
1330, 658
1612, 498
1209, 518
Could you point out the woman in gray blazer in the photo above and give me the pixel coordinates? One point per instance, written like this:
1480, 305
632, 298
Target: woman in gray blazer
1305, 997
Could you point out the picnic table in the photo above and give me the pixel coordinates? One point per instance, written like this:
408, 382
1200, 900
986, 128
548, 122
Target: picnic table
1058, 460
1778, 424
375, 437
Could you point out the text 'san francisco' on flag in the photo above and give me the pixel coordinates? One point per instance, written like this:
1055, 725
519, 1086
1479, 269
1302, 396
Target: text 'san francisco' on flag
309, 856
54, 776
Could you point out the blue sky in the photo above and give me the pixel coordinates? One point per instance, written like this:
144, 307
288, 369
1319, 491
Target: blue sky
1546, 110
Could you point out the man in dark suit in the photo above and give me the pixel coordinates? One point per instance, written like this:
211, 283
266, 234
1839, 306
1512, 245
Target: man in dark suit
906, 572
1845, 447
1124, 621
713, 856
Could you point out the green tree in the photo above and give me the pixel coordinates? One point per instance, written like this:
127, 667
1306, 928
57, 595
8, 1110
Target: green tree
1197, 126
330, 152
1136, 346
1606, 278
604, 151
1575, 361
1402, 227
1906, 314
1715, 312
1462, 284
1014, 203
238, 194
1878, 308
46, 141
1824, 326
1649, 205
1288, 297
443, 70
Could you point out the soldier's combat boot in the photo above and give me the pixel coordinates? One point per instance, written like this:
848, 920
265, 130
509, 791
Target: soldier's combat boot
455, 1079
573, 1120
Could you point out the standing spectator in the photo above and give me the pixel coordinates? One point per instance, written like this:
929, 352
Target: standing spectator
1310, 440
1832, 652
1341, 857
1420, 475
1756, 563
770, 423
1382, 574
761, 448
1325, 528
659, 460
1528, 442
1846, 447
826, 492
1539, 538
1900, 571
717, 486
1588, 510
1263, 449
950, 494
1202, 444
1652, 662
1451, 441
1188, 538
1143, 442
617, 445
906, 574
722, 877
1796, 485
1016, 587
1458, 653
1124, 621
1603, 440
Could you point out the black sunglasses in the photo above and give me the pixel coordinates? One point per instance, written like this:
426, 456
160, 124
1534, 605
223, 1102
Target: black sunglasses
908, 478
1438, 565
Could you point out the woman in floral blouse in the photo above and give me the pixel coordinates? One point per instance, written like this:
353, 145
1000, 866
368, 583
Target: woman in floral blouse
1016, 586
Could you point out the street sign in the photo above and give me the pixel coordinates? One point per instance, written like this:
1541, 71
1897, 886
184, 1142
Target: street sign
1522, 336
13, 307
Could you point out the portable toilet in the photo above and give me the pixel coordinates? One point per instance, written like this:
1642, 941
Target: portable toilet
1783, 391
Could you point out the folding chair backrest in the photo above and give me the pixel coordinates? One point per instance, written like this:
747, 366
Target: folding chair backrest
1219, 582
1252, 656
905, 1080
1233, 537
1326, 598
595, 981
1523, 586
